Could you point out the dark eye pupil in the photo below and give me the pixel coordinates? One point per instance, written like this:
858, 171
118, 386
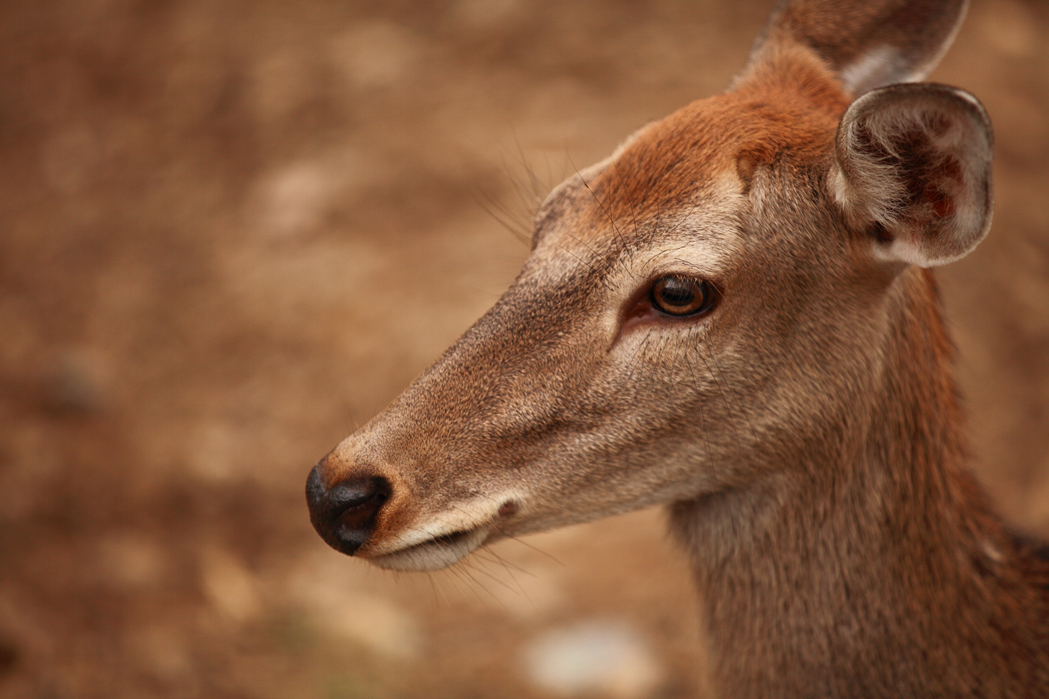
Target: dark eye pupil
680, 296
676, 293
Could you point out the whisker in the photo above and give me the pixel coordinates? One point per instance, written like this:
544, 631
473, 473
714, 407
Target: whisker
488, 574
538, 188
502, 215
510, 567
608, 214
462, 571
545, 554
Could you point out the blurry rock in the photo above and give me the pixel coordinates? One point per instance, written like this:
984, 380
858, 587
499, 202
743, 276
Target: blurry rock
603, 656
229, 585
294, 200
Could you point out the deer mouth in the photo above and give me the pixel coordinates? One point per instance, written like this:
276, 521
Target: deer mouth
435, 553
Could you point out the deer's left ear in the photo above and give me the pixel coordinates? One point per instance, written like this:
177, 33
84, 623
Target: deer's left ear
913, 169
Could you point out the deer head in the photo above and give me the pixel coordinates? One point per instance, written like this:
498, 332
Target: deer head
703, 312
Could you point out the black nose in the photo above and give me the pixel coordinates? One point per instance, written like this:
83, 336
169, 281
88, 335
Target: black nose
345, 515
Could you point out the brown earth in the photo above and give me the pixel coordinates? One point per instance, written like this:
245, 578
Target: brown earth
230, 232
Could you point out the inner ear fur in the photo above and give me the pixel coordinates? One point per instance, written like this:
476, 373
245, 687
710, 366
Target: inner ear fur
913, 172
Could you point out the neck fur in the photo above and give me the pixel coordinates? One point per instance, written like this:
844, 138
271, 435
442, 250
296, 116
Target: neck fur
872, 568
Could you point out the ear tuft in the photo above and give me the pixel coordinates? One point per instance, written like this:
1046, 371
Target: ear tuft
913, 170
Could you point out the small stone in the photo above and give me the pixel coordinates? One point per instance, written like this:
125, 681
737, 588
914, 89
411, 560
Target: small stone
295, 200
602, 656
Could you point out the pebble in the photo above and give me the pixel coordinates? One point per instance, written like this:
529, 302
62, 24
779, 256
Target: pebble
604, 657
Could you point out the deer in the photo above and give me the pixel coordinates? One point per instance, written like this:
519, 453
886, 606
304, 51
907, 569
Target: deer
734, 316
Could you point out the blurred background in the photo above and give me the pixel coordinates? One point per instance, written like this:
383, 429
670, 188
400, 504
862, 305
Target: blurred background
230, 232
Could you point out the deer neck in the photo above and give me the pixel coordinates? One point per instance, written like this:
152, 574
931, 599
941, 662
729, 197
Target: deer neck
829, 579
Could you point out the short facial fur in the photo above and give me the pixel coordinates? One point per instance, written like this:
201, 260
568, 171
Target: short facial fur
802, 424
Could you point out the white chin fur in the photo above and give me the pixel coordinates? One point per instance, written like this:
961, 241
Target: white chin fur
433, 554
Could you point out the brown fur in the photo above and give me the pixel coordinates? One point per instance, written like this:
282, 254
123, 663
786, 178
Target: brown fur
868, 581
667, 164
806, 433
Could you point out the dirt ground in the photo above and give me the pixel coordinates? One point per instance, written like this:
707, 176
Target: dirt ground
232, 231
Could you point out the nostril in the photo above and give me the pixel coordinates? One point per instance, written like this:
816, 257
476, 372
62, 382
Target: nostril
356, 503
345, 516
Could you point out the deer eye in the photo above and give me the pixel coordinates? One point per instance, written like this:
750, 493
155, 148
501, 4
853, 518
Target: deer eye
682, 296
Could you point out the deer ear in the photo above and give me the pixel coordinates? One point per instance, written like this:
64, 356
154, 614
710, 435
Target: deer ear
913, 170
869, 43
